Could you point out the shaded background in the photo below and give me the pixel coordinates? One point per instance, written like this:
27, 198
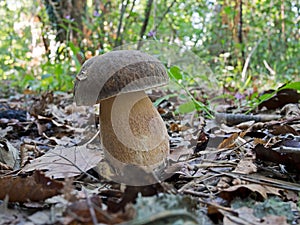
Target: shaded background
43, 43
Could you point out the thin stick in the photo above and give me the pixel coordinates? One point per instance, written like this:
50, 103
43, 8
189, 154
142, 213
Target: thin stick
91, 208
93, 138
248, 61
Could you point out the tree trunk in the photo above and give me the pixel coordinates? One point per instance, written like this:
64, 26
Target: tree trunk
66, 18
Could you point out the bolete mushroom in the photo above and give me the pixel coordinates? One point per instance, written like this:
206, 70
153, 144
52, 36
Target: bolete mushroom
131, 129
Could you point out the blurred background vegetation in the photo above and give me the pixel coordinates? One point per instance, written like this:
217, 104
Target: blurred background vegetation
247, 44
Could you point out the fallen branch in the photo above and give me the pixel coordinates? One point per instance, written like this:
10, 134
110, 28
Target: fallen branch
233, 119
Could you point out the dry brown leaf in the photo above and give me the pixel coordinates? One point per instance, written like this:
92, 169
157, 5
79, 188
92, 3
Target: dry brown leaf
244, 190
285, 153
244, 217
245, 166
80, 211
63, 162
36, 187
229, 142
283, 129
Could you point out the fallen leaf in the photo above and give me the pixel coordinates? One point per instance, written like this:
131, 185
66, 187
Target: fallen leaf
35, 187
203, 139
3, 132
280, 99
229, 142
274, 220
40, 218
229, 129
243, 190
39, 106
283, 129
63, 162
80, 211
290, 110
9, 155
281, 154
245, 166
245, 216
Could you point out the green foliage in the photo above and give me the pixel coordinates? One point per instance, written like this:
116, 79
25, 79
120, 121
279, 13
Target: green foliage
291, 85
17, 59
208, 28
13, 46
256, 100
192, 104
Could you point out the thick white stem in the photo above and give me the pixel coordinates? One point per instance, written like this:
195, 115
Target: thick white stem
132, 130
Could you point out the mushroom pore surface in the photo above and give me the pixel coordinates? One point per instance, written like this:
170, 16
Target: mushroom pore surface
132, 130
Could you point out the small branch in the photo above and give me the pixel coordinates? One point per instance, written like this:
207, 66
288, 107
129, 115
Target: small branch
233, 119
91, 208
258, 179
240, 31
164, 15
272, 72
248, 61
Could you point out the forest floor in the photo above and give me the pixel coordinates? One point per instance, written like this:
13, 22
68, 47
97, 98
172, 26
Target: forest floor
230, 169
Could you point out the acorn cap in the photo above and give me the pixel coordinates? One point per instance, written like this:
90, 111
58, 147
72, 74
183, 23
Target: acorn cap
117, 72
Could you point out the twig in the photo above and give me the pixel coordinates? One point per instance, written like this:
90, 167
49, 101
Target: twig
248, 61
91, 208
164, 15
93, 138
261, 180
240, 28
272, 72
233, 119
196, 193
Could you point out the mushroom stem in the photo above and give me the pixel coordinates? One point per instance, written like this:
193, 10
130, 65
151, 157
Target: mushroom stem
132, 130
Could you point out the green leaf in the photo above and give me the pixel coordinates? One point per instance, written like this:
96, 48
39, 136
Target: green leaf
186, 107
175, 72
228, 10
266, 96
293, 85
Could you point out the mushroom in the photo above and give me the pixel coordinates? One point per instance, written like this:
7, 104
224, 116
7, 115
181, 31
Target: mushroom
131, 129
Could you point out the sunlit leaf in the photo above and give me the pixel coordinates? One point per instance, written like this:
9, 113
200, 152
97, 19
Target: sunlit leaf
175, 72
293, 85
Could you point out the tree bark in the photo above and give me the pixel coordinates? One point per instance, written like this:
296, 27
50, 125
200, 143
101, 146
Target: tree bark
66, 17
146, 21
118, 39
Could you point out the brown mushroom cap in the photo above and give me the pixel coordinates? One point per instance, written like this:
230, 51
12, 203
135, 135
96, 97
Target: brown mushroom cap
117, 72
